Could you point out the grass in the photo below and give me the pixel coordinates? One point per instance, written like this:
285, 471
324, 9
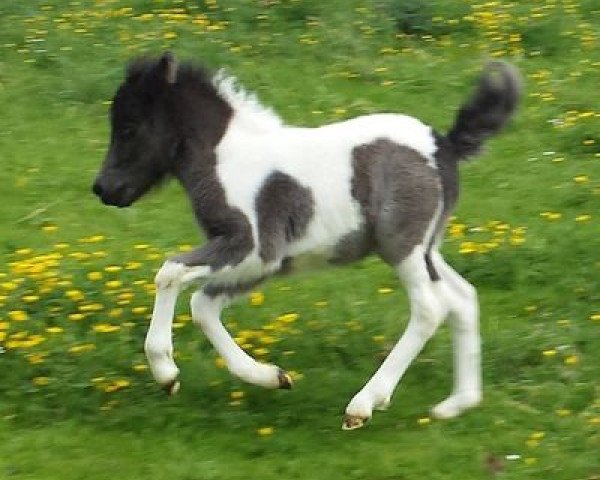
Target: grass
75, 285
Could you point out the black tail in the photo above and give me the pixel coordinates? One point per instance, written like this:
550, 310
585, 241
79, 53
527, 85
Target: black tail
488, 109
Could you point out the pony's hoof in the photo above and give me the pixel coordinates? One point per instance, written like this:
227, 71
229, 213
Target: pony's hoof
352, 422
284, 379
172, 387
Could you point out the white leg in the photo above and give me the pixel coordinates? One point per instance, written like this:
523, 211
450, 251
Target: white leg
206, 312
461, 298
427, 312
170, 279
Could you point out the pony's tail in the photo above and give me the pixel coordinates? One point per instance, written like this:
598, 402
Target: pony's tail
487, 111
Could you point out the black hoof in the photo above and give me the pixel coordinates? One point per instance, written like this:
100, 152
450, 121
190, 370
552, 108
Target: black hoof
285, 380
172, 387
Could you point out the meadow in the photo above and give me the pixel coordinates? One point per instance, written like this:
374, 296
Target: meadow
76, 397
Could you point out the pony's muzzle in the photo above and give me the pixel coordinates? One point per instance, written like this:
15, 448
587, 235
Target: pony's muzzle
118, 195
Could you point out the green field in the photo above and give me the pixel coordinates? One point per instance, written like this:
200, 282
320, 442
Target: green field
76, 397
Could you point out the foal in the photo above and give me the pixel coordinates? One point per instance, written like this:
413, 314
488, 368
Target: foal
266, 193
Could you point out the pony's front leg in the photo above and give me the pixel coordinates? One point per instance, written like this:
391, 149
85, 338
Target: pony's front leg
206, 312
169, 281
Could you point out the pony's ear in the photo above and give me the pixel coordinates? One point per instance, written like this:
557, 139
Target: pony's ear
167, 66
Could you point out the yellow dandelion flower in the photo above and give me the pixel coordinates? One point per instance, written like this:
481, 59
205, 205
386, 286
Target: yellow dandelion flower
467, 248
75, 295
551, 215
49, 228
288, 317
55, 330
94, 276
516, 241
424, 421
551, 352
595, 317
139, 310
122, 383
581, 179
9, 286
237, 395
30, 298
18, 315
40, 381
112, 284
571, 360
321, 303
583, 218
106, 328
220, 362
82, 348
257, 298
76, 316
140, 367
563, 412
385, 290
169, 35
457, 230
113, 268
132, 265
36, 358
265, 431
91, 307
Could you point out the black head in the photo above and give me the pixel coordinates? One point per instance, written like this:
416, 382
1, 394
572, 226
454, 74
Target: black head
144, 136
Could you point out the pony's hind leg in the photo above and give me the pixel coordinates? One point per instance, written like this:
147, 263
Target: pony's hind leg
427, 313
206, 308
461, 299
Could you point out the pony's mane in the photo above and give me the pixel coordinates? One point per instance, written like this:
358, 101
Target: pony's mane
246, 106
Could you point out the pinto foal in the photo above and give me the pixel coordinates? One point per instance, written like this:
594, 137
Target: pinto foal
266, 193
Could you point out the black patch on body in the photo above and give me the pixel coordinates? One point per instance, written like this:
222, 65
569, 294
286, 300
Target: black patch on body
284, 209
227, 229
231, 289
398, 193
352, 247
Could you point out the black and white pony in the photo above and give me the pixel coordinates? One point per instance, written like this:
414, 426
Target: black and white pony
266, 194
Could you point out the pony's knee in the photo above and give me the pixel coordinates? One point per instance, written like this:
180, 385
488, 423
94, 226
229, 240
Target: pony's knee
174, 274
169, 275
428, 312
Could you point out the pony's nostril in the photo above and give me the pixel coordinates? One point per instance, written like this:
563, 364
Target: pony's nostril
97, 189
